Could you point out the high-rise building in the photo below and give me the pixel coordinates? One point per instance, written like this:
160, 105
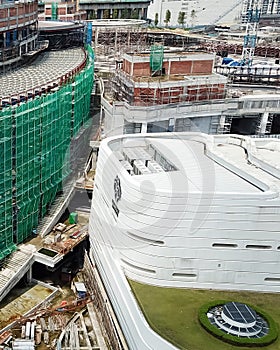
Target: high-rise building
266, 7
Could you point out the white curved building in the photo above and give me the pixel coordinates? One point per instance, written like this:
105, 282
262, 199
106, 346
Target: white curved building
190, 210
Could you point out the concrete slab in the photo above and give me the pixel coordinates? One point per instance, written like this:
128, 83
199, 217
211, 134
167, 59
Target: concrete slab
20, 301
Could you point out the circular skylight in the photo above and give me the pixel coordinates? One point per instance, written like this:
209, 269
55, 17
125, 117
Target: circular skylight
238, 319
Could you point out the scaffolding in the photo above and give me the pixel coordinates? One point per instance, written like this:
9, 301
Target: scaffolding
35, 146
151, 91
110, 43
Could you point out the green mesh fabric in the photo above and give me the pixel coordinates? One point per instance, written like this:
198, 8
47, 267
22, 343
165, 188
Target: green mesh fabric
6, 176
156, 58
35, 139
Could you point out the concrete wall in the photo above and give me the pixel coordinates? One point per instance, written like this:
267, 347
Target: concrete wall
216, 110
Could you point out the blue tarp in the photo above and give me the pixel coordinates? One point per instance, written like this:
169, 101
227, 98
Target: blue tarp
227, 60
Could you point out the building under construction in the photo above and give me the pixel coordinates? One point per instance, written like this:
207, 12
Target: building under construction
164, 90
156, 78
44, 107
146, 80
112, 38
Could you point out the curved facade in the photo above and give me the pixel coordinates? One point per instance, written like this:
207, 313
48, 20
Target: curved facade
38, 123
18, 29
190, 210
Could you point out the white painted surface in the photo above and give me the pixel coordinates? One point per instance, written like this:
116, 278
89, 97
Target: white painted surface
211, 223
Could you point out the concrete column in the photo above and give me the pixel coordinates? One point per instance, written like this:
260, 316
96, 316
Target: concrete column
131, 67
263, 123
96, 37
29, 275
99, 14
145, 13
169, 66
144, 128
116, 39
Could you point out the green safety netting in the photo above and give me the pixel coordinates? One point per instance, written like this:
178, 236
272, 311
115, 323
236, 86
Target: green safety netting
156, 57
27, 141
54, 10
35, 139
83, 82
6, 201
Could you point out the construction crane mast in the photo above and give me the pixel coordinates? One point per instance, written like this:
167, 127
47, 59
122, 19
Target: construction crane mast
250, 38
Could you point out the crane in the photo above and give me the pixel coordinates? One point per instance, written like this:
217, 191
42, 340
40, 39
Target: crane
250, 38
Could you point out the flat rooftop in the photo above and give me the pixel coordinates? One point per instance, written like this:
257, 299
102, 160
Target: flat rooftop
184, 163
58, 25
116, 23
178, 54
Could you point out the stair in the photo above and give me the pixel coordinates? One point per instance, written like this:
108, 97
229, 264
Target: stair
13, 269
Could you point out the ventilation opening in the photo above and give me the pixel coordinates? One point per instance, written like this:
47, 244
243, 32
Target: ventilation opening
143, 269
224, 245
244, 126
146, 240
180, 274
256, 246
275, 127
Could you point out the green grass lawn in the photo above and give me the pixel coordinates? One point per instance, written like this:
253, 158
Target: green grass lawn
173, 313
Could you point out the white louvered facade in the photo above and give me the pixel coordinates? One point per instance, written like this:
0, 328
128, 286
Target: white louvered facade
200, 211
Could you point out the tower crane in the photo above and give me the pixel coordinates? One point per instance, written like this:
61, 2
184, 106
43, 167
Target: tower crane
250, 38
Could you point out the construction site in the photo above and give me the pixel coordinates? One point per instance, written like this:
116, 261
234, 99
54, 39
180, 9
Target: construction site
58, 300
149, 81
142, 90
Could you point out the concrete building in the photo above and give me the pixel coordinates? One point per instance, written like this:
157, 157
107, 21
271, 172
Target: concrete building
44, 109
18, 30
143, 82
184, 210
63, 11
100, 9
184, 95
269, 11
248, 115
266, 7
